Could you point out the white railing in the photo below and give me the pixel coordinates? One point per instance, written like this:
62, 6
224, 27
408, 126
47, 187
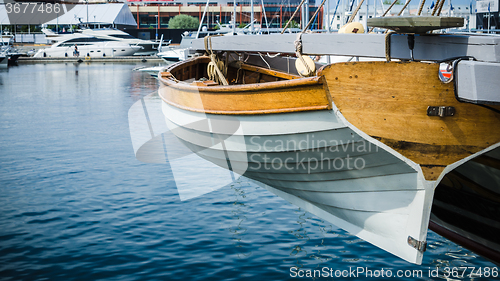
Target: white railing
35, 38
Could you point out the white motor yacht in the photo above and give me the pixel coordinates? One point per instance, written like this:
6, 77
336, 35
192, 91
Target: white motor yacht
87, 46
148, 47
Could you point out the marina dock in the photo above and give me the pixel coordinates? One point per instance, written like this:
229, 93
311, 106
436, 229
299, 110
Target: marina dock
23, 60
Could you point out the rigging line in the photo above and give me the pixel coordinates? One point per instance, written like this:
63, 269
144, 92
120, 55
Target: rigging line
334, 13
435, 7
314, 22
264, 60
293, 16
406, 5
440, 8
385, 13
351, 18
420, 8
315, 14
350, 10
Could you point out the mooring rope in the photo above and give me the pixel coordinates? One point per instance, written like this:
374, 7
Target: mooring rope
214, 63
298, 53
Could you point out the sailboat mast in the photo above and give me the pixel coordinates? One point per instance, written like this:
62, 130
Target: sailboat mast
202, 18
265, 15
251, 16
305, 14
328, 16
365, 19
234, 17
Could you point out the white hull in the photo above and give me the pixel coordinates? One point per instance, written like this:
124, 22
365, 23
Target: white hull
174, 54
383, 199
94, 51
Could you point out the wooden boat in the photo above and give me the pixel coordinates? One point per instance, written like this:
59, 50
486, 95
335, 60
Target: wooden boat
363, 145
403, 150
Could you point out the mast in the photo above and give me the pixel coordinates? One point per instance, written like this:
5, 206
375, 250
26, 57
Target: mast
365, 19
234, 17
202, 18
87, 1
305, 9
265, 16
251, 16
470, 15
328, 16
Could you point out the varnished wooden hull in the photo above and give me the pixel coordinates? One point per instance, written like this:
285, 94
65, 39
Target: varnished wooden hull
389, 102
301, 94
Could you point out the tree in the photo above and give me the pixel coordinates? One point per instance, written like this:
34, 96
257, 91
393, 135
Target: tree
183, 22
293, 24
388, 2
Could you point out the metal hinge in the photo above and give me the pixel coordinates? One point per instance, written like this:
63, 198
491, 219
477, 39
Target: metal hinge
440, 111
421, 246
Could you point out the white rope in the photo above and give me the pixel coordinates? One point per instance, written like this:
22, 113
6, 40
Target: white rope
264, 60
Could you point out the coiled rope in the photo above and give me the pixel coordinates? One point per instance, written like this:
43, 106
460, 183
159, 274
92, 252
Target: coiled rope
214, 66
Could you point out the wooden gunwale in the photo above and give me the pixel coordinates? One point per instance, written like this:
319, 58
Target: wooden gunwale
309, 81
295, 95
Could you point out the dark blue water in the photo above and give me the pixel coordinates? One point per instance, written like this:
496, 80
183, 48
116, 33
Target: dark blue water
75, 204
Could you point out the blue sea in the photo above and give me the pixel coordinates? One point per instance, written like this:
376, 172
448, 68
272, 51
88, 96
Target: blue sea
75, 203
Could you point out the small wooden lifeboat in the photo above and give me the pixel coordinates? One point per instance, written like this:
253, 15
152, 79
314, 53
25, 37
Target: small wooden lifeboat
251, 90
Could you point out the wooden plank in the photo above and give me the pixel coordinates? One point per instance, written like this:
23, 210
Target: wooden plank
427, 47
271, 72
416, 24
389, 102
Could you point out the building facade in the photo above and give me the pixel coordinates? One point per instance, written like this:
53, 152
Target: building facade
156, 14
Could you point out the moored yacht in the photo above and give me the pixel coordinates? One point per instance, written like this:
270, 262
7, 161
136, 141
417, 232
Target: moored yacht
87, 46
148, 47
